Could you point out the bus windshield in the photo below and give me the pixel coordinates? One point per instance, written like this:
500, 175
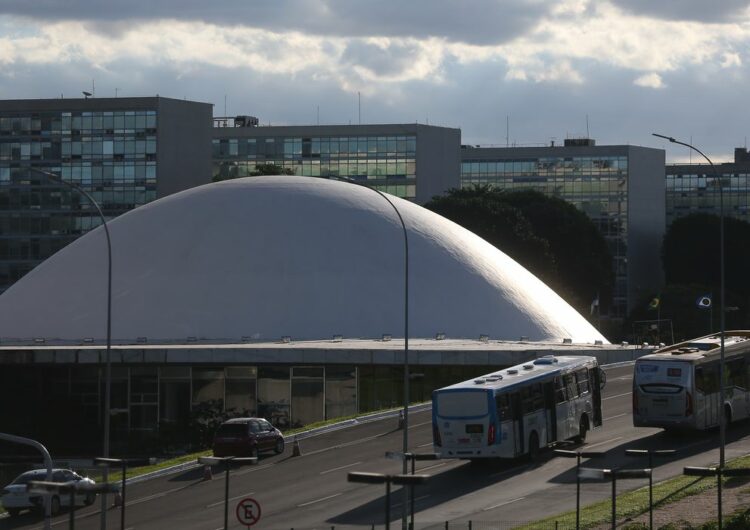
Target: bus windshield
460, 404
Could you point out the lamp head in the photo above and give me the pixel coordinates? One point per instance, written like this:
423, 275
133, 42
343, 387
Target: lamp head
665, 137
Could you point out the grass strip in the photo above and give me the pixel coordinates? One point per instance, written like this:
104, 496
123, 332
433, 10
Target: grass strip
634, 503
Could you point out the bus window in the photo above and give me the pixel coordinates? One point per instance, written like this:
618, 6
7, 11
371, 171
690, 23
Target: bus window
532, 398
570, 384
707, 378
561, 394
736, 373
503, 407
582, 378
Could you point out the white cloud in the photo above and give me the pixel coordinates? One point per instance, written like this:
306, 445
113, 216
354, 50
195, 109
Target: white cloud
651, 80
731, 59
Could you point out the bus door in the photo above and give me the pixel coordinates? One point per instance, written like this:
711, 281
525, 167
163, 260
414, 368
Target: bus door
551, 409
596, 389
517, 415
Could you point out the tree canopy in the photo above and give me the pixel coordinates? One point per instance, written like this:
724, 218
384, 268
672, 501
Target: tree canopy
691, 254
226, 172
550, 237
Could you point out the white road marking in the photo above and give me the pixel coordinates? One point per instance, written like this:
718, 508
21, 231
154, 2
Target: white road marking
419, 424
502, 504
339, 468
618, 395
221, 503
253, 469
618, 416
152, 497
318, 500
425, 445
432, 467
604, 442
623, 378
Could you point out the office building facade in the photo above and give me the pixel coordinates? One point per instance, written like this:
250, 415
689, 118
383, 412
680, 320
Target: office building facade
621, 188
694, 188
412, 161
125, 152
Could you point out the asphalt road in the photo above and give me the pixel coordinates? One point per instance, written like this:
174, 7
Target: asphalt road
311, 491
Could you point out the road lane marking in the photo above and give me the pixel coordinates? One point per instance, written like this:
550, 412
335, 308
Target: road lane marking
220, 503
339, 468
618, 416
432, 466
604, 442
425, 445
623, 378
618, 395
152, 497
253, 469
502, 504
318, 500
420, 424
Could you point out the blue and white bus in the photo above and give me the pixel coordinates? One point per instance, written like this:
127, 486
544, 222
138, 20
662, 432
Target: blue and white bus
516, 411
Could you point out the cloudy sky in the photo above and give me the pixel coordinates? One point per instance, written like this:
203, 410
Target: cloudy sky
524, 72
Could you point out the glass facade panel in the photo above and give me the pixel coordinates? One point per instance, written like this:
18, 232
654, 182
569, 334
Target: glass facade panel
241, 390
387, 162
274, 394
38, 216
597, 185
341, 391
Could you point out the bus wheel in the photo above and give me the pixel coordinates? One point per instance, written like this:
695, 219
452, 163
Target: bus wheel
583, 429
533, 447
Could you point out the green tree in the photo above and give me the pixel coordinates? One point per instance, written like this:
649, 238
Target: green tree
227, 172
584, 262
551, 238
691, 253
691, 256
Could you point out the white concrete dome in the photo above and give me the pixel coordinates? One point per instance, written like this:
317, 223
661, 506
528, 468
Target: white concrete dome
266, 257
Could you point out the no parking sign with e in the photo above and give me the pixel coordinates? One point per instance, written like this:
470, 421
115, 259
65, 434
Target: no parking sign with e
248, 511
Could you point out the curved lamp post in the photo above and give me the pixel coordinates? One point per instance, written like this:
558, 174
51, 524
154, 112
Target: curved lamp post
717, 178
406, 330
108, 373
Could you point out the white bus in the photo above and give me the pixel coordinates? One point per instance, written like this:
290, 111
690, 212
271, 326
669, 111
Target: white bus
677, 387
519, 410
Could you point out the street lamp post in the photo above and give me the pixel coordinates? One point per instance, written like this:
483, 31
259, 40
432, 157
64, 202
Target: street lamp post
108, 370
406, 338
722, 415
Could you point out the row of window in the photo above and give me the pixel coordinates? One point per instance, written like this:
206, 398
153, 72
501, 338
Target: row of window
362, 146
601, 166
78, 121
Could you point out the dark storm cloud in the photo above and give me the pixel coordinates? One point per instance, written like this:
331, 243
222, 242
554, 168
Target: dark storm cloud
693, 10
471, 21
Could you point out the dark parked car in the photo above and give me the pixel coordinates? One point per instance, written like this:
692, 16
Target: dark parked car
247, 437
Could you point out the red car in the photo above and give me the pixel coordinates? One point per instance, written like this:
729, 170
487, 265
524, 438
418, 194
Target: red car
247, 437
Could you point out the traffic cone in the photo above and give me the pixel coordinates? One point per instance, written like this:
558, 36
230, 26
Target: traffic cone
296, 451
207, 473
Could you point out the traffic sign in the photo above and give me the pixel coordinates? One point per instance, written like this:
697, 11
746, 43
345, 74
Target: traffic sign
248, 511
